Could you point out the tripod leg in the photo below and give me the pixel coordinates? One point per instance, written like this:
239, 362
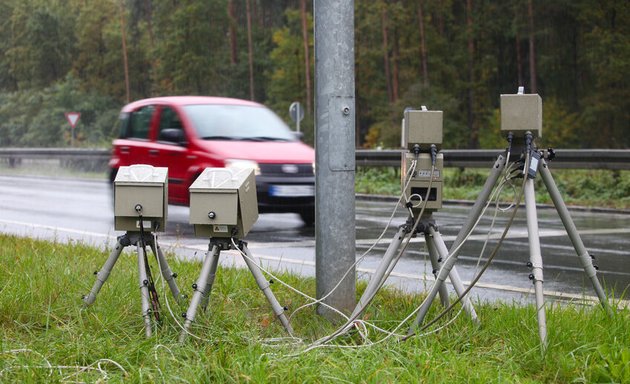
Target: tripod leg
379, 274
477, 208
144, 290
569, 226
166, 271
435, 264
202, 282
535, 258
454, 276
103, 274
211, 275
474, 214
263, 284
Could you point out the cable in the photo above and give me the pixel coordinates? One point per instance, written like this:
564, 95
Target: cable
495, 193
356, 323
51, 367
350, 321
153, 295
168, 306
276, 278
486, 265
360, 258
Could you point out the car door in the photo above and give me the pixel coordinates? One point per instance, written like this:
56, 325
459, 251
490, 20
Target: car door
170, 150
132, 147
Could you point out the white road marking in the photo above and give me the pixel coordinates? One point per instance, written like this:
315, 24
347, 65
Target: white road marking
416, 277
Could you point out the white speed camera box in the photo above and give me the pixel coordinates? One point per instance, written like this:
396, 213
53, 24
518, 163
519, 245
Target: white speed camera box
422, 127
140, 197
223, 202
521, 113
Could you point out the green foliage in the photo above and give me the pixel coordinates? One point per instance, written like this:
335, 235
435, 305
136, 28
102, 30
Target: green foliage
287, 77
36, 118
589, 188
99, 62
377, 181
580, 53
41, 43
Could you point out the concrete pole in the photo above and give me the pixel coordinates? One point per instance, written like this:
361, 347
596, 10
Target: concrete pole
335, 154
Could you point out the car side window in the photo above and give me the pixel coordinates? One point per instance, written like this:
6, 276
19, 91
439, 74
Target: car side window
169, 119
140, 122
170, 124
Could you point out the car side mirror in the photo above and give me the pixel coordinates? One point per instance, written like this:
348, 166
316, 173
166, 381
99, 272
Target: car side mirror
298, 135
173, 135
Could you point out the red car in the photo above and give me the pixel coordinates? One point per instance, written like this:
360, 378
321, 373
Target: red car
189, 133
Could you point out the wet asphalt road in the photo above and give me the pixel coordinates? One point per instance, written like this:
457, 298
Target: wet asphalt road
65, 210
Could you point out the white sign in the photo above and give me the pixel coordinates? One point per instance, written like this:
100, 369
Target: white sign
72, 118
297, 114
296, 111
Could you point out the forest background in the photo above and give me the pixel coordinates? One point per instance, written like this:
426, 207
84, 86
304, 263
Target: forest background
93, 56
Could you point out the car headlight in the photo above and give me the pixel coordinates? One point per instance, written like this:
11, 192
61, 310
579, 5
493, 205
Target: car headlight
243, 164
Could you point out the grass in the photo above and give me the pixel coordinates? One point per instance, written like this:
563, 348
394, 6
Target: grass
55, 168
588, 188
46, 335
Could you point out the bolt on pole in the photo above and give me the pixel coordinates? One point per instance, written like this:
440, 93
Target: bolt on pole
335, 154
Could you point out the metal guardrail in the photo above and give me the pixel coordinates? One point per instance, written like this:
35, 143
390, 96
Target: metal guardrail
55, 153
484, 158
458, 158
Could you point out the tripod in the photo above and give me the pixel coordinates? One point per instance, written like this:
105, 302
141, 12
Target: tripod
204, 283
437, 253
540, 166
150, 304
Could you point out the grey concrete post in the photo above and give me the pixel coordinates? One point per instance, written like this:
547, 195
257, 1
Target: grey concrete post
335, 153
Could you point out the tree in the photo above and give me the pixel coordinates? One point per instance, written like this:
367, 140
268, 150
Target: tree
306, 41
423, 45
39, 51
532, 50
286, 81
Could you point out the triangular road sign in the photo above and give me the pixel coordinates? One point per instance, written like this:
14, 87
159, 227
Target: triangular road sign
72, 118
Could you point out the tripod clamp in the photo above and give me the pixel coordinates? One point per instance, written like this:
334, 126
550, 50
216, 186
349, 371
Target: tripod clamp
425, 225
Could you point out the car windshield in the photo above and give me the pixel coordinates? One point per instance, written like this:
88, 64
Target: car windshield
237, 122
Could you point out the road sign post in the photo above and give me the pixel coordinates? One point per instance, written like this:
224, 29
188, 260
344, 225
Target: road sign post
297, 114
73, 119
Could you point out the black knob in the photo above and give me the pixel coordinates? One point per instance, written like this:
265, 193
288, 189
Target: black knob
194, 286
145, 282
531, 276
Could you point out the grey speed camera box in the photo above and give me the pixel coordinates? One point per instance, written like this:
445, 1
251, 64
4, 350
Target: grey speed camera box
422, 127
424, 176
223, 202
521, 113
140, 197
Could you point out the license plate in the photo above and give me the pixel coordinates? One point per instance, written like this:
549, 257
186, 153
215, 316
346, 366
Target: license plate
291, 190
